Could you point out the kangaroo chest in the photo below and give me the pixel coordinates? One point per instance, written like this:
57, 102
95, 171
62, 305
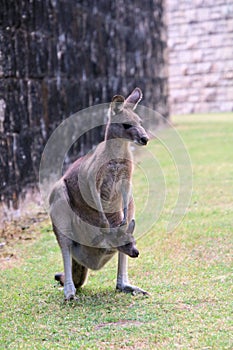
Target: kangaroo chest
113, 177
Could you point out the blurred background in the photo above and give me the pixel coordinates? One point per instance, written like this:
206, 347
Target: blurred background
58, 57
200, 62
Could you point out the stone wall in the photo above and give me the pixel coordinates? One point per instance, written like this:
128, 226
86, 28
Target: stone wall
200, 43
57, 57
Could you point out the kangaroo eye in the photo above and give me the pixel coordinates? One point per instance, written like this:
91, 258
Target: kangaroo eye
126, 126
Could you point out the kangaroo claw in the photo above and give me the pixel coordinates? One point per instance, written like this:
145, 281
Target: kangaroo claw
123, 223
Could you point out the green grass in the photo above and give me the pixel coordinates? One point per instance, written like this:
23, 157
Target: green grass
188, 272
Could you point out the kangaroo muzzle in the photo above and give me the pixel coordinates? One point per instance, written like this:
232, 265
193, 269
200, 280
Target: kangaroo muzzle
144, 140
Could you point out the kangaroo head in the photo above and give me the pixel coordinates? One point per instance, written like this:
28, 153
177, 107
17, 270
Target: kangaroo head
123, 122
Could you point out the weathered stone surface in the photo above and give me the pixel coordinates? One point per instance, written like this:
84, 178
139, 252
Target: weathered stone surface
200, 42
57, 57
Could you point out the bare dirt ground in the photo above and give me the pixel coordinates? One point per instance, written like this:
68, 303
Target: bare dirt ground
17, 232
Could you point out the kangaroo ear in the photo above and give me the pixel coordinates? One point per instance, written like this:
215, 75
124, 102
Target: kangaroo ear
131, 227
117, 103
134, 98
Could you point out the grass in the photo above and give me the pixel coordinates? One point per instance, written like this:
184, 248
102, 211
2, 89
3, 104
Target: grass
188, 272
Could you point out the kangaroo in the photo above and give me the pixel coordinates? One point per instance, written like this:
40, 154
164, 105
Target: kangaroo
91, 206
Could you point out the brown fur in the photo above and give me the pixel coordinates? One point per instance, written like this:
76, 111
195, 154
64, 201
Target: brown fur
93, 201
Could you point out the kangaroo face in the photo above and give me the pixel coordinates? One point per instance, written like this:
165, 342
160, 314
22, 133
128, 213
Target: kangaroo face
124, 122
133, 129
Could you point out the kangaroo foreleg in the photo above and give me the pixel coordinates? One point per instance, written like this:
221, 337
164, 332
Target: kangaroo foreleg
126, 194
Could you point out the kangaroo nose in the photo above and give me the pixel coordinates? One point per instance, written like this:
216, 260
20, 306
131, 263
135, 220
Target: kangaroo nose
144, 140
135, 253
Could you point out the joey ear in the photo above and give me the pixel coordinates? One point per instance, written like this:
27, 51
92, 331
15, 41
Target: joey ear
135, 97
131, 227
117, 103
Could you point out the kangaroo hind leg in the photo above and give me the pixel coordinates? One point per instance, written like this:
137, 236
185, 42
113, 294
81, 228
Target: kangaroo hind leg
79, 273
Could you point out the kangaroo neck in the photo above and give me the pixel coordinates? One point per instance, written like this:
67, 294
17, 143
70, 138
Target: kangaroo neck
118, 148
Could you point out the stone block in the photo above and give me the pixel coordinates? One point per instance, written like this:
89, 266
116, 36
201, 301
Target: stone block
8, 54
21, 54
211, 80
38, 57
200, 54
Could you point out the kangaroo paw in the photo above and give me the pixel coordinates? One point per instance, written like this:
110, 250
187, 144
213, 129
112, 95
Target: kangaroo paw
123, 223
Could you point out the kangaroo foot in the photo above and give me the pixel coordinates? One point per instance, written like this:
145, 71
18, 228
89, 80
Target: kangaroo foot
128, 288
69, 291
60, 277
69, 288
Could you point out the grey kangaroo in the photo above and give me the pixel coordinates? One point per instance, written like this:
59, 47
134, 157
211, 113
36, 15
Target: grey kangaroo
91, 206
